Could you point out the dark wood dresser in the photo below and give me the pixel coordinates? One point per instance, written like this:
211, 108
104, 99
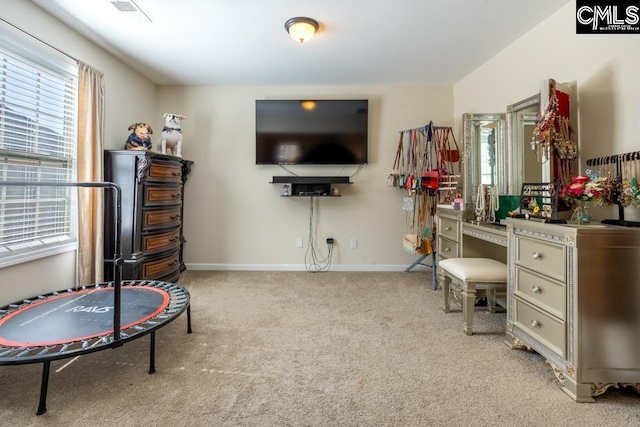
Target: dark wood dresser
152, 210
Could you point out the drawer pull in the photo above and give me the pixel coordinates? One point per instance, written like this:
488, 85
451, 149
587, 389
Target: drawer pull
176, 238
175, 196
535, 324
536, 255
536, 289
176, 173
174, 218
447, 249
447, 228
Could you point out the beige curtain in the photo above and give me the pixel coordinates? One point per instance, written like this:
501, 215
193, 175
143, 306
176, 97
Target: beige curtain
90, 257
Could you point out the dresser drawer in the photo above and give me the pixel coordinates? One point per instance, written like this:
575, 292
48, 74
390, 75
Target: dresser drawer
447, 248
542, 292
160, 170
543, 257
449, 229
155, 242
161, 266
157, 195
547, 329
161, 218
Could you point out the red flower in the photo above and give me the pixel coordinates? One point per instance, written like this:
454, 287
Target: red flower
580, 179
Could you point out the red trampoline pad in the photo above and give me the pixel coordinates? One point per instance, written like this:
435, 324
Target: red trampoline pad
79, 315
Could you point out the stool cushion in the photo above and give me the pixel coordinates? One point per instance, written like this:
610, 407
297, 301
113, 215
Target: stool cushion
483, 270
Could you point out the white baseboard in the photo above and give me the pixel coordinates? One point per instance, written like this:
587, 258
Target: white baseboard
300, 267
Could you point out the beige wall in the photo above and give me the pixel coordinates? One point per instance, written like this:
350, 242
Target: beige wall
129, 98
604, 69
235, 219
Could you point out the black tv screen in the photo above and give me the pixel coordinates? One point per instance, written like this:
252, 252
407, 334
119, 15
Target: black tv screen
320, 132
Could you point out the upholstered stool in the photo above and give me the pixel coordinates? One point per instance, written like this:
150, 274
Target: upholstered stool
470, 275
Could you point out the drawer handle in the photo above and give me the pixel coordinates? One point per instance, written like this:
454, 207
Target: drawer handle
536, 255
175, 239
175, 196
447, 228
447, 249
176, 173
536, 289
535, 324
175, 217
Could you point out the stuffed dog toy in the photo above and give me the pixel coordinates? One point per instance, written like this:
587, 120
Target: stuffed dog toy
172, 134
140, 138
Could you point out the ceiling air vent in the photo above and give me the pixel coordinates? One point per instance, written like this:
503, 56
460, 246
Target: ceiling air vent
130, 6
124, 6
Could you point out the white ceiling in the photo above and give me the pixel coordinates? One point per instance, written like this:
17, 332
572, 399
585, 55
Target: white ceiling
243, 42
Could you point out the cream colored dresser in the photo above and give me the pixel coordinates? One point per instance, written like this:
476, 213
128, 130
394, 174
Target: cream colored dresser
574, 297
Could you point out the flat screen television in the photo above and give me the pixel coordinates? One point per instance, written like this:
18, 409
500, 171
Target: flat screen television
312, 132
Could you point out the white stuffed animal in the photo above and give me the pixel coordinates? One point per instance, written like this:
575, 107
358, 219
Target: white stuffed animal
171, 136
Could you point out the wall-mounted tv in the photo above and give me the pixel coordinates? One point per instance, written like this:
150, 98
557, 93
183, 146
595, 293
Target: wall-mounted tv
312, 131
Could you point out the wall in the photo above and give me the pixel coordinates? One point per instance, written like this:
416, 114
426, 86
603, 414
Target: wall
234, 219
129, 98
603, 68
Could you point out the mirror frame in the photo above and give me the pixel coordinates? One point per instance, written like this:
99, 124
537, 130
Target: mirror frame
515, 151
471, 168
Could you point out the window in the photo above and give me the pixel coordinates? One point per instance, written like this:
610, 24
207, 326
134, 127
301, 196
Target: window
37, 144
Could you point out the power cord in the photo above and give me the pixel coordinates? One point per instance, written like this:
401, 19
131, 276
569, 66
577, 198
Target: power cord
316, 265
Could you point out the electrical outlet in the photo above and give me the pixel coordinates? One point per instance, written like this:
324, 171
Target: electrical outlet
299, 243
330, 241
353, 244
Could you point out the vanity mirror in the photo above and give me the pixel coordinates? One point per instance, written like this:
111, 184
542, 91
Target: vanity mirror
484, 153
522, 162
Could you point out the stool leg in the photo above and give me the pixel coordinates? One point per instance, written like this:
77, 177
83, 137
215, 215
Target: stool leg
491, 300
468, 305
446, 291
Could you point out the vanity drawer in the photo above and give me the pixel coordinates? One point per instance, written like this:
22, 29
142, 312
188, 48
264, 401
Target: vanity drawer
547, 329
449, 229
160, 241
542, 292
447, 248
160, 170
543, 257
156, 195
160, 218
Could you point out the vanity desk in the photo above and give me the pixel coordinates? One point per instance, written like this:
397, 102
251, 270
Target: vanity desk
573, 297
460, 237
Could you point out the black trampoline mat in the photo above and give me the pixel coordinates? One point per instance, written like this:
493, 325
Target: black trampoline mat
79, 315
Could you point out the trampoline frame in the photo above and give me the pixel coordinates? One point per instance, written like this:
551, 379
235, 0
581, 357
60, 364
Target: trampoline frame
179, 302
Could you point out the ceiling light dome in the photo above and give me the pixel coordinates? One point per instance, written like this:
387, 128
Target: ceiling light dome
301, 29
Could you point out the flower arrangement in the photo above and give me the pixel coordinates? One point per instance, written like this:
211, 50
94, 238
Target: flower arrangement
585, 189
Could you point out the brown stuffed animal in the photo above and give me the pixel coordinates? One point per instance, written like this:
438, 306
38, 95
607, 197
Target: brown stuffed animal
140, 138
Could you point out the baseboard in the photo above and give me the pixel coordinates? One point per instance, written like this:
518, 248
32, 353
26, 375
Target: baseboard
300, 267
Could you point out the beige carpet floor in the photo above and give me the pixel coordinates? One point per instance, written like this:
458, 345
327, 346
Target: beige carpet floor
305, 349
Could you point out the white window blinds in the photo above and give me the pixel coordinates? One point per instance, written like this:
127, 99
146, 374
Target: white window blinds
37, 144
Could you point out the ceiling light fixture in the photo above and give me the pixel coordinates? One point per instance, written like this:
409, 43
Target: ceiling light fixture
301, 29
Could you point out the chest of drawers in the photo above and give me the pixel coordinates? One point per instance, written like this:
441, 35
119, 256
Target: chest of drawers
152, 187
572, 296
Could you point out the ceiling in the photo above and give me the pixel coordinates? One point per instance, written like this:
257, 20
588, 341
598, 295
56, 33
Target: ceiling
244, 42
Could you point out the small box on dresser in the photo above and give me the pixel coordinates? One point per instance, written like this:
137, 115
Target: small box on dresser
152, 238
573, 297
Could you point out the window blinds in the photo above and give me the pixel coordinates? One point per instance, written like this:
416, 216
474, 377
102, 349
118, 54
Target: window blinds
37, 144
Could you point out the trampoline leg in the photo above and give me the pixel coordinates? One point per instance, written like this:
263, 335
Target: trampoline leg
189, 319
152, 354
42, 406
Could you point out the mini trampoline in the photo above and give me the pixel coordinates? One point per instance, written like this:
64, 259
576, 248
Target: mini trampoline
82, 320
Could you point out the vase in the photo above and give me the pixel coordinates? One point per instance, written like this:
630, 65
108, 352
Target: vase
581, 213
